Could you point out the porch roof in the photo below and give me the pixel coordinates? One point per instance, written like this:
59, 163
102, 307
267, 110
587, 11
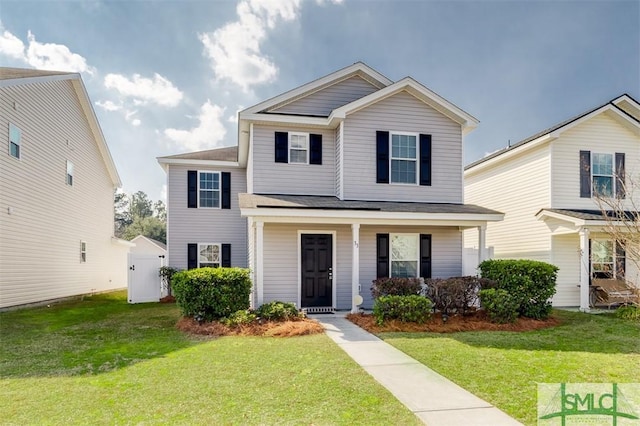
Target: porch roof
574, 219
355, 211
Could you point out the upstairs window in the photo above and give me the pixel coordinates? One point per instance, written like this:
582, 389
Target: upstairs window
69, 173
209, 189
298, 148
404, 158
602, 175
208, 255
15, 137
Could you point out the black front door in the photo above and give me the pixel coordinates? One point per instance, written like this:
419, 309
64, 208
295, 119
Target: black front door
317, 270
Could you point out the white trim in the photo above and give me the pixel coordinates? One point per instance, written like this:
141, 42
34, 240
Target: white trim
355, 266
219, 254
259, 262
19, 81
250, 162
585, 266
211, 190
334, 263
165, 162
289, 148
342, 163
416, 160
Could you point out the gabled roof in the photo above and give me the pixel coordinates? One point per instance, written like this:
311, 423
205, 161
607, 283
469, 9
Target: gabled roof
10, 77
160, 244
359, 68
227, 156
614, 106
582, 217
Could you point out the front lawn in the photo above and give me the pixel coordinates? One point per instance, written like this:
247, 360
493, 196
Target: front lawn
505, 367
103, 361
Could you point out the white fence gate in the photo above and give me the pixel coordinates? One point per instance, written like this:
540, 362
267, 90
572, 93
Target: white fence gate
144, 282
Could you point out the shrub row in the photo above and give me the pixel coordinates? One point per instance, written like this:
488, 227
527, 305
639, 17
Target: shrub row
413, 308
457, 294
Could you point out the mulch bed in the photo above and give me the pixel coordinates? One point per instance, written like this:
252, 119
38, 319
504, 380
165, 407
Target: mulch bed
477, 321
299, 327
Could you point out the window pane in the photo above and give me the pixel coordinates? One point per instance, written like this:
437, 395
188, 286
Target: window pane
602, 251
15, 150
603, 164
404, 247
403, 171
14, 134
404, 269
403, 146
298, 142
298, 156
603, 186
209, 181
209, 198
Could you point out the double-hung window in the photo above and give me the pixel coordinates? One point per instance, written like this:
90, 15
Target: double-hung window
69, 173
602, 174
209, 255
404, 158
15, 138
607, 259
298, 148
83, 251
405, 255
209, 189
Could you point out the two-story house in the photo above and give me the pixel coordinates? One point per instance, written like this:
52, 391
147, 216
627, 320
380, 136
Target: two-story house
344, 179
57, 180
552, 188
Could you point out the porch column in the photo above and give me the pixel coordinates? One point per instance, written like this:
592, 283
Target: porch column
259, 262
584, 270
355, 266
482, 242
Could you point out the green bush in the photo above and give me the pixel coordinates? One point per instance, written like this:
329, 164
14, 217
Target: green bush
243, 317
395, 287
501, 306
208, 294
412, 308
456, 294
629, 312
278, 311
531, 283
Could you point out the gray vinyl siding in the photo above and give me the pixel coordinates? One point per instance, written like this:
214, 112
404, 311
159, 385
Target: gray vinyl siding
326, 100
204, 225
40, 238
270, 177
401, 112
446, 249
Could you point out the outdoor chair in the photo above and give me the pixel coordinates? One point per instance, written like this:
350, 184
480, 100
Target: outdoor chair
614, 292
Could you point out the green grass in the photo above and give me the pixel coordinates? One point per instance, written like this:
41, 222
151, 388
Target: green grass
505, 367
102, 361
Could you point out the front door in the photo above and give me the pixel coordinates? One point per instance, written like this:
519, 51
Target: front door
317, 270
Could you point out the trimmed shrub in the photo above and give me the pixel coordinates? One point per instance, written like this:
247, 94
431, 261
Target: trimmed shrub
629, 312
395, 287
412, 308
243, 317
530, 282
456, 294
501, 306
278, 311
208, 294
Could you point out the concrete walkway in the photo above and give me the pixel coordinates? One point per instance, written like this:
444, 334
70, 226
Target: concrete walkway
434, 399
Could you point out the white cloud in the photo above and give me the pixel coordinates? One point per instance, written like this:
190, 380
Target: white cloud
130, 117
207, 135
11, 45
56, 57
143, 90
163, 194
234, 49
49, 56
108, 106
234, 118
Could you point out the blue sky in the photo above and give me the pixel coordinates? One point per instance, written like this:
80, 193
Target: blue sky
168, 77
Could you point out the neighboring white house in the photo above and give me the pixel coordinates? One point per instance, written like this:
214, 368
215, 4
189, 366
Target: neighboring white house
57, 180
146, 245
545, 186
332, 184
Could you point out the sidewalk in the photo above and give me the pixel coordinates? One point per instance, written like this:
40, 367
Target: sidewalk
434, 399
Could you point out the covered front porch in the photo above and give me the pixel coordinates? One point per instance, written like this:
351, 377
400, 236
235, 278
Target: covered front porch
322, 253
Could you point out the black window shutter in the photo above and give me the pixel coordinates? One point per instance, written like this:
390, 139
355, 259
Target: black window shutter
226, 190
425, 160
192, 256
315, 144
425, 255
620, 182
282, 147
226, 256
382, 250
620, 261
382, 157
585, 174
192, 189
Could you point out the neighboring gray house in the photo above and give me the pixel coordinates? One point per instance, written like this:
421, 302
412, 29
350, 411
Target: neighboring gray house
332, 184
57, 180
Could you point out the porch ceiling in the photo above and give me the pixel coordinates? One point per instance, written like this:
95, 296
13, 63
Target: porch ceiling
327, 209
